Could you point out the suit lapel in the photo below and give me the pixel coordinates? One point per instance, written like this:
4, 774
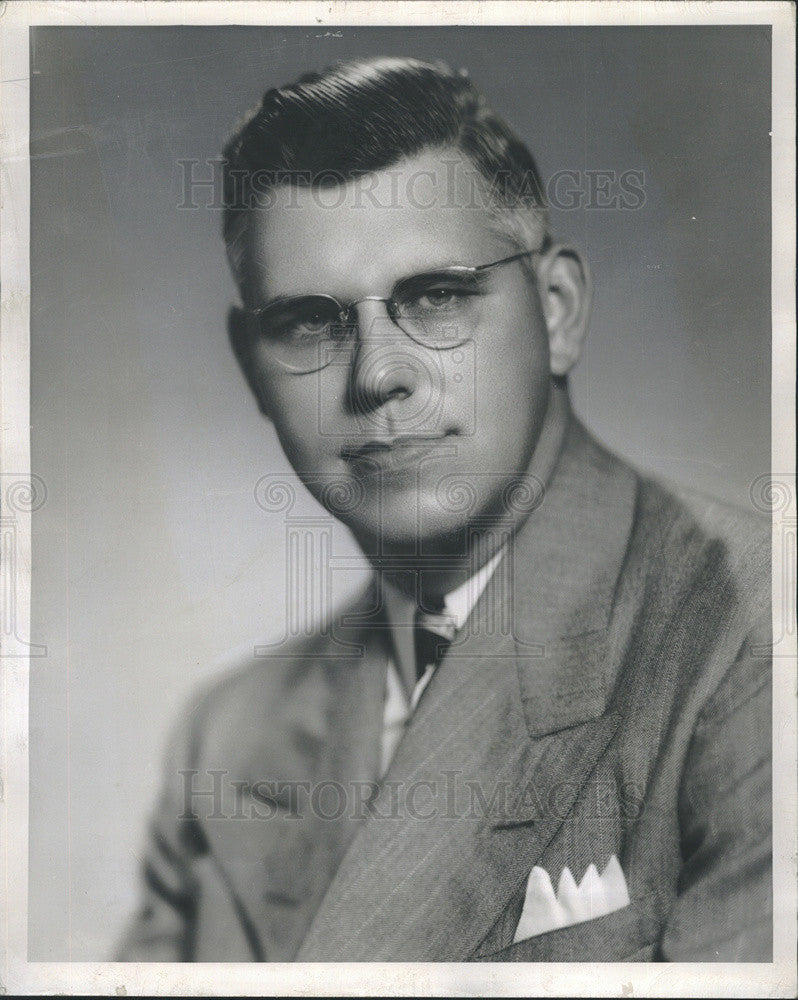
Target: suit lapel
515, 718
567, 561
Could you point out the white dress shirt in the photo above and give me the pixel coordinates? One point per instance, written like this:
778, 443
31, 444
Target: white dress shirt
400, 610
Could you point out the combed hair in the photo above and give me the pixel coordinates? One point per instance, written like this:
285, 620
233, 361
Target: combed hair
356, 118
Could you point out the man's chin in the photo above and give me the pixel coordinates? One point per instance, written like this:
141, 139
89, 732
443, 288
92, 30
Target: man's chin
407, 532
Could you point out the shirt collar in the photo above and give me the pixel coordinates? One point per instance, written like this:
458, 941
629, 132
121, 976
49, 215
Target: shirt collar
459, 603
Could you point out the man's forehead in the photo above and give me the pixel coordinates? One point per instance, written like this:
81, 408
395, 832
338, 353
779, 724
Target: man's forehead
425, 211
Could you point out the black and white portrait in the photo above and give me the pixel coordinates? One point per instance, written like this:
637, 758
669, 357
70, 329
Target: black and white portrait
403, 509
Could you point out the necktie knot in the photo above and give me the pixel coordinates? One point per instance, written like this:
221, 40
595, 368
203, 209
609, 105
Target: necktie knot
434, 632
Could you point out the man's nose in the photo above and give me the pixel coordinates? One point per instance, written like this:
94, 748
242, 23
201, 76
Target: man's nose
387, 365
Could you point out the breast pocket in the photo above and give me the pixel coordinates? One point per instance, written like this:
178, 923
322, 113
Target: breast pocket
628, 934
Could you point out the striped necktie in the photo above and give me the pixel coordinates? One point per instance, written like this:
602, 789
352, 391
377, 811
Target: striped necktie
434, 631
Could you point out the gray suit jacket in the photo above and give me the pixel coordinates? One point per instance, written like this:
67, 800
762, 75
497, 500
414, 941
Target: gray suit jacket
610, 695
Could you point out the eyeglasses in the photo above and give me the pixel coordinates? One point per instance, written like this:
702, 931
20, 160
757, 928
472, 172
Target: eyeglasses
438, 309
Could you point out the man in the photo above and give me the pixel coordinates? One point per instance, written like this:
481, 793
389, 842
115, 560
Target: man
544, 732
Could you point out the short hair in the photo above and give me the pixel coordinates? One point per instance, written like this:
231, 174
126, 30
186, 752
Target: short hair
359, 117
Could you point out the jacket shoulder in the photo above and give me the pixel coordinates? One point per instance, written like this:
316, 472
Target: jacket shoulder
697, 591
690, 531
255, 689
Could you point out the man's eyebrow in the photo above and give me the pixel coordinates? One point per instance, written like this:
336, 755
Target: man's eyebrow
418, 272
277, 299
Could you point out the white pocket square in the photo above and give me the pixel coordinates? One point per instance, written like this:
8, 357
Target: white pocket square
595, 896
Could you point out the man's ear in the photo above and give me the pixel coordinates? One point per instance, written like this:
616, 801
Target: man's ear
566, 291
239, 333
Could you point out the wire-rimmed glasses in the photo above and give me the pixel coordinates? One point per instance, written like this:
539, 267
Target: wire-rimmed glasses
437, 309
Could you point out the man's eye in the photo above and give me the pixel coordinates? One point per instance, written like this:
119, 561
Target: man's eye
314, 322
438, 297
305, 324
441, 297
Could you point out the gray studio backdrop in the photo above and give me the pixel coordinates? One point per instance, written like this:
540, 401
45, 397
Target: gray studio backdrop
153, 562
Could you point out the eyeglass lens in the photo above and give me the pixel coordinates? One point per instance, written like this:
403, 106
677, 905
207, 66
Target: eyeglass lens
438, 309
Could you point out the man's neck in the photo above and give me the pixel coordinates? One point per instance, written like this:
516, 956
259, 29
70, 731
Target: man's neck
451, 562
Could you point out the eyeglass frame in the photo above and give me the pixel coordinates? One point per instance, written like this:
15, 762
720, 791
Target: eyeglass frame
345, 309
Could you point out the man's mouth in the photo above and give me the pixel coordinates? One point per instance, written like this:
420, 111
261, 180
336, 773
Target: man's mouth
393, 452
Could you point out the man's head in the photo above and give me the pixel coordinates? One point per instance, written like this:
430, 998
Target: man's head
341, 187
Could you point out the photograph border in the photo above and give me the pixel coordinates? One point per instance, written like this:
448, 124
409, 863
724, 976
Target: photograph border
21, 492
